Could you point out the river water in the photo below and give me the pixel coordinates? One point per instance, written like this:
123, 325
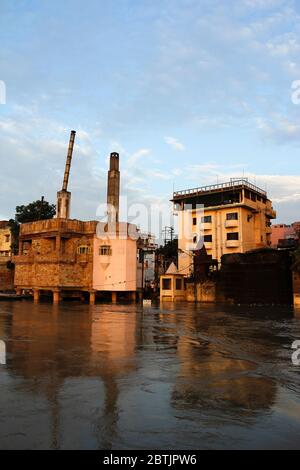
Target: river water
179, 376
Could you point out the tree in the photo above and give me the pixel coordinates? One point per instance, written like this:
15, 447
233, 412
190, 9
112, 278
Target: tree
37, 210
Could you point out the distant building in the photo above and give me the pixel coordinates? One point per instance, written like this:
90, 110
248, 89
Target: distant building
233, 217
5, 239
6, 271
284, 235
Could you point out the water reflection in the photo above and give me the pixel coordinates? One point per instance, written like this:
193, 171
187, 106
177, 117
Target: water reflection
105, 376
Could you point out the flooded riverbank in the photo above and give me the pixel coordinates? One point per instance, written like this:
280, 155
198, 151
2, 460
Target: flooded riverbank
123, 377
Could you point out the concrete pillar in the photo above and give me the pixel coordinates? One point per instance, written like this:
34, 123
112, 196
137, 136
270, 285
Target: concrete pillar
36, 295
56, 296
133, 296
92, 297
114, 297
140, 296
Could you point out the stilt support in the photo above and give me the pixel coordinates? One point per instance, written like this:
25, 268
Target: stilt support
56, 296
114, 297
92, 298
36, 295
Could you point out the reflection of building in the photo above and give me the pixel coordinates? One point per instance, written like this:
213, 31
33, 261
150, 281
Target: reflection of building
213, 375
6, 274
234, 217
62, 352
74, 258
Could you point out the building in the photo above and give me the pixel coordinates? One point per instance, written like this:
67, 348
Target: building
172, 286
233, 217
5, 239
74, 258
284, 235
6, 271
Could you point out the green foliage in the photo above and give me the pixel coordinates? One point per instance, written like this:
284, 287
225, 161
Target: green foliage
37, 210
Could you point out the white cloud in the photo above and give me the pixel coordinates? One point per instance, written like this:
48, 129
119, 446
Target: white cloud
174, 143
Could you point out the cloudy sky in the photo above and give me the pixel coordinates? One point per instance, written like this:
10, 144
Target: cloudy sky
190, 92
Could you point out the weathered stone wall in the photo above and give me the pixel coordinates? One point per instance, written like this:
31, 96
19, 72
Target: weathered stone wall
205, 291
257, 277
49, 255
6, 277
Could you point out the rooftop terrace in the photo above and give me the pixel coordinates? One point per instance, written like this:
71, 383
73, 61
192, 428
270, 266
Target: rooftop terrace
234, 183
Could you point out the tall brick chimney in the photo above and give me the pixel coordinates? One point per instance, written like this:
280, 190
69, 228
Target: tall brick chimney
113, 188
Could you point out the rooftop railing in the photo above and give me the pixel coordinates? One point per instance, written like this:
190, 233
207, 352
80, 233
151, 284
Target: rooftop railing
233, 183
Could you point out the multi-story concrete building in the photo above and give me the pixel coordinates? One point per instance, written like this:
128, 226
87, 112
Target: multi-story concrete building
233, 217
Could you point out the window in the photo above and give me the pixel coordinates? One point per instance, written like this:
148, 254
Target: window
105, 250
206, 219
7, 237
83, 249
166, 284
178, 284
194, 220
233, 236
232, 216
207, 238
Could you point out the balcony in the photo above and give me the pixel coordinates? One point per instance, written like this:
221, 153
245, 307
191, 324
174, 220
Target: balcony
231, 223
232, 243
271, 213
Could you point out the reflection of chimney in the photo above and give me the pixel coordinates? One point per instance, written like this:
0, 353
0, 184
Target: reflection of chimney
64, 196
113, 188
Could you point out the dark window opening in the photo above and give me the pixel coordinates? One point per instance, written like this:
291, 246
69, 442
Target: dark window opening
207, 238
233, 236
178, 284
166, 284
206, 219
232, 216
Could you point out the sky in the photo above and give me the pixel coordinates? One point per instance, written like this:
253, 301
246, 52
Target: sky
189, 92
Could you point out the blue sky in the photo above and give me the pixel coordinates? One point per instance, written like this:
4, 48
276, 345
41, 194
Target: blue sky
190, 92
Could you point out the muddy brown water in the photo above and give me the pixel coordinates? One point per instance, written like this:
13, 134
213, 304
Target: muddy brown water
179, 376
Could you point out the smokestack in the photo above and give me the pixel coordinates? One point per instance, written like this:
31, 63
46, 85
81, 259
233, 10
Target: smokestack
64, 196
113, 188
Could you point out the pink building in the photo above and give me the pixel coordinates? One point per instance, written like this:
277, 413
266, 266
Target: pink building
282, 232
